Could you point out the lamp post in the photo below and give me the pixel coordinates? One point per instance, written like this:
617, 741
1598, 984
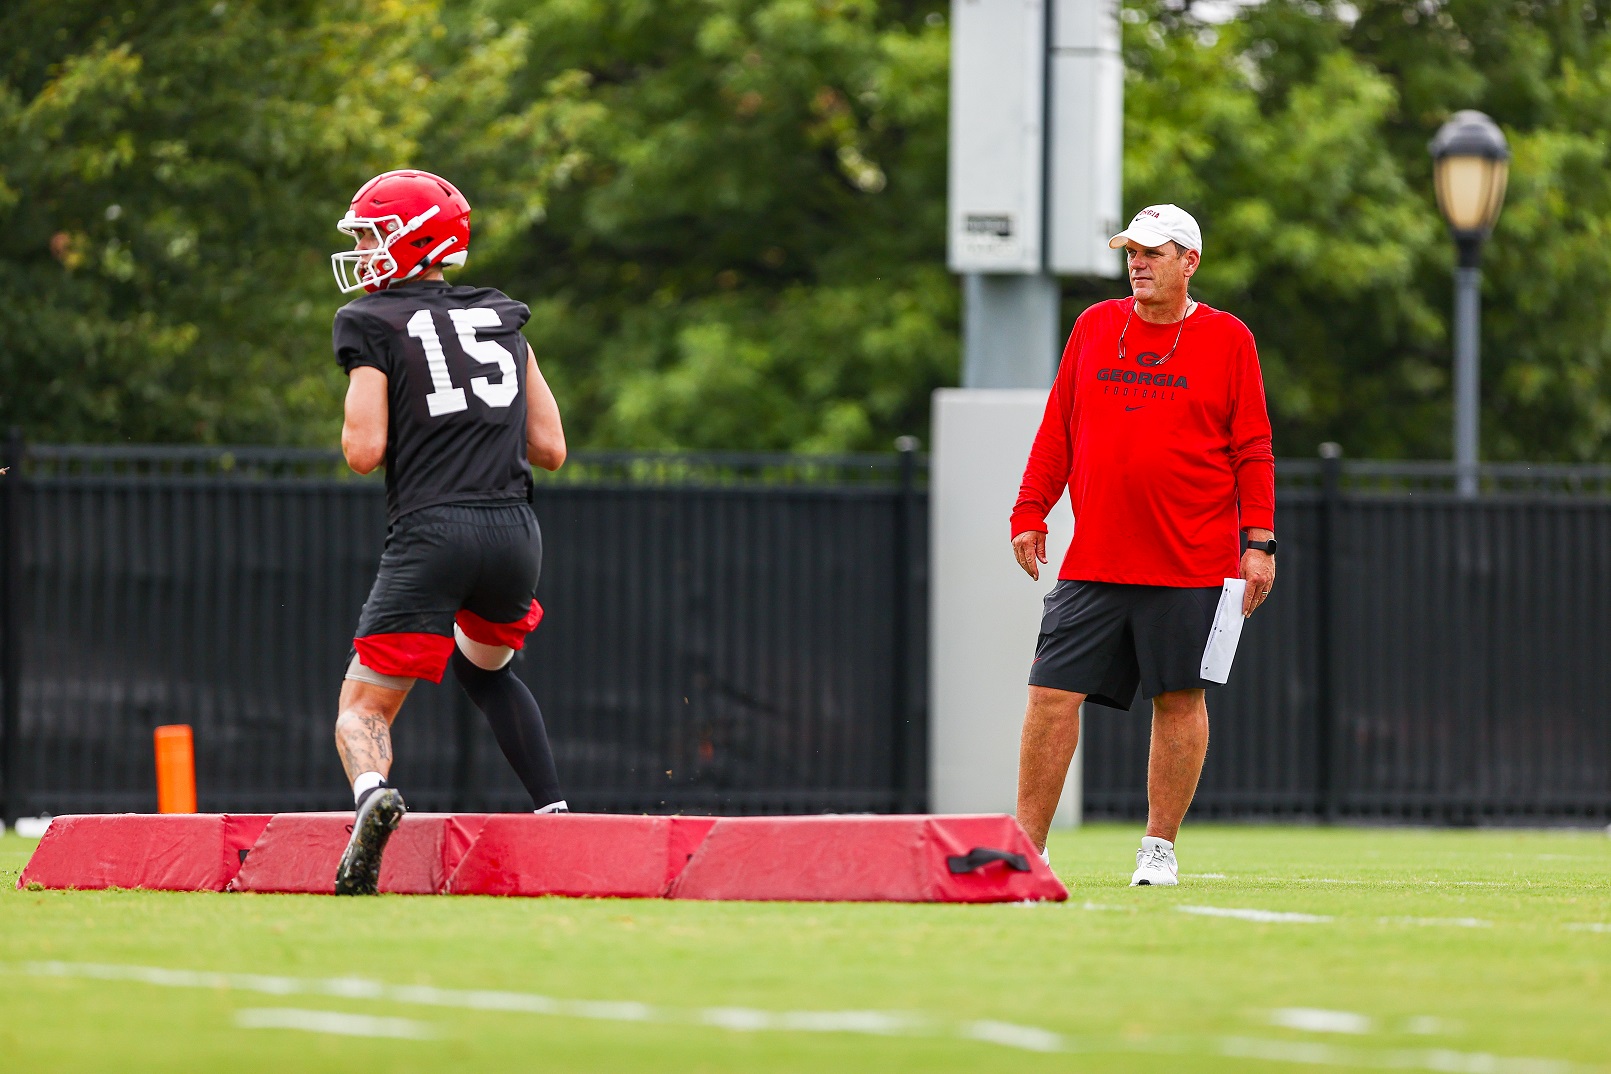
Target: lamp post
1470, 166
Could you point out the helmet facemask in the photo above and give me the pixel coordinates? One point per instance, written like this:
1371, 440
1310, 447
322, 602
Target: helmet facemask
373, 268
367, 268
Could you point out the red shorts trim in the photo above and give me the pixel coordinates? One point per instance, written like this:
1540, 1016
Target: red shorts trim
511, 635
413, 656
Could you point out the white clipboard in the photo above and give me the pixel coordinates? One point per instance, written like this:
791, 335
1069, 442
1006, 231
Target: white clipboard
1227, 631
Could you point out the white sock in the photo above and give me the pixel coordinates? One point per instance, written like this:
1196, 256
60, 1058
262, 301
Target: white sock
1150, 841
364, 782
554, 807
1046, 856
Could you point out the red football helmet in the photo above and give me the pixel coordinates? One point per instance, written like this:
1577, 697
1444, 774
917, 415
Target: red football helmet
416, 220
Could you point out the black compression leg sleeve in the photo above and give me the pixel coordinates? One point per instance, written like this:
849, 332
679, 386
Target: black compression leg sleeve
517, 723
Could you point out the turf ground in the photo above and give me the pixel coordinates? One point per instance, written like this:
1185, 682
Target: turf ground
1283, 948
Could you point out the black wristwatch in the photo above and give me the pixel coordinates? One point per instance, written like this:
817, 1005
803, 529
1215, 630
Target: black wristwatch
1267, 547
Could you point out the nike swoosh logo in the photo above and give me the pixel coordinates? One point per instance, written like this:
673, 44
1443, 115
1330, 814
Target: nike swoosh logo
1134, 407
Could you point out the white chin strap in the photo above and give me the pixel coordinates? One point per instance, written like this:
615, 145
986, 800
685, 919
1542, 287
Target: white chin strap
486, 657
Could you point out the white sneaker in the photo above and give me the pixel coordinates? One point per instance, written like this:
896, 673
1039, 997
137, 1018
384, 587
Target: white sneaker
1155, 864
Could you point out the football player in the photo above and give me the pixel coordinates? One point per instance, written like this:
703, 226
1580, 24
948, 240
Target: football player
445, 392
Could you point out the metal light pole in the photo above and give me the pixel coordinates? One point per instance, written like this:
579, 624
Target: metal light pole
1470, 167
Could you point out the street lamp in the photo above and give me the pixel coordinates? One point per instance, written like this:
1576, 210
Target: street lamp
1470, 166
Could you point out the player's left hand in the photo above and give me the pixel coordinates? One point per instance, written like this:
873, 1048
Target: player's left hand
1258, 570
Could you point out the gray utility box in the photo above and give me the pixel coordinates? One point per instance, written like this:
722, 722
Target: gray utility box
1037, 126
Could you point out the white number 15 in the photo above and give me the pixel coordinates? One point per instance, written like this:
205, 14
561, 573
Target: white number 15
446, 399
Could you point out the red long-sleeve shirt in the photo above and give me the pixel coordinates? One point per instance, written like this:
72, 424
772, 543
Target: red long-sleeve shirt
1165, 461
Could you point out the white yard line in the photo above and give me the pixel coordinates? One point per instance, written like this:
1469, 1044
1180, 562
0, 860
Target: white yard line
1590, 926
1452, 922
736, 1019
1263, 916
1436, 1059
337, 1022
749, 1019
1027, 1038
1316, 1020
1319, 1020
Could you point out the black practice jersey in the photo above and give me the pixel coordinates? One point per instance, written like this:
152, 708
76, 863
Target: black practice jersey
455, 364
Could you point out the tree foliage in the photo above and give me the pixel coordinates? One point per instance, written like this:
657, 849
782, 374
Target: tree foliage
1299, 133
727, 215
741, 241
168, 173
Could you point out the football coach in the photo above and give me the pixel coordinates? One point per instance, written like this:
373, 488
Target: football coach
1157, 426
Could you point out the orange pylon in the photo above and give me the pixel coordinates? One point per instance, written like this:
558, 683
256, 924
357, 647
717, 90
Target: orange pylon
176, 769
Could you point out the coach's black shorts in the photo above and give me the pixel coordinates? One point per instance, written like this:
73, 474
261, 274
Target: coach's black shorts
1103, 639
471, 564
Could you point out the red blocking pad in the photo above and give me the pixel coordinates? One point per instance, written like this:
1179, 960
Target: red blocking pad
160, 852
298, 853
869, 859
579, 854
687, 836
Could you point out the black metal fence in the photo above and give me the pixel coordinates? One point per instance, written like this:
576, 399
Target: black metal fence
722, 634
1424, 657
749, 634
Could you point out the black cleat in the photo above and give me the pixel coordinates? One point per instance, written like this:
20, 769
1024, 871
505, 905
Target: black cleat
359, 872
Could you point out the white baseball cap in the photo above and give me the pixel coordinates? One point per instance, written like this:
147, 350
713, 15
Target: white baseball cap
1158, 224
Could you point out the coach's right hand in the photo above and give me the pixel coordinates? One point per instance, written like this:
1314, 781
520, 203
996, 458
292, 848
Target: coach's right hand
1030, 548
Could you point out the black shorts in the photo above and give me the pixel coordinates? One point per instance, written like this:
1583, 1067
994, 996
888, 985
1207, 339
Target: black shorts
471, 564
1103, 639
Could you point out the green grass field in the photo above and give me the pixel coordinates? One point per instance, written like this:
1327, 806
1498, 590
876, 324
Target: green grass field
1471, 951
